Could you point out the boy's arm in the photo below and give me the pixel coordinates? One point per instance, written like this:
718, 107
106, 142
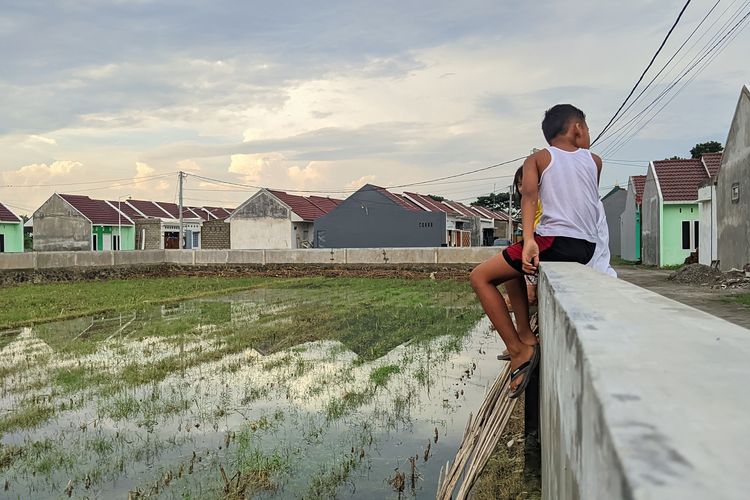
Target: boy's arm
529, 201
598, 162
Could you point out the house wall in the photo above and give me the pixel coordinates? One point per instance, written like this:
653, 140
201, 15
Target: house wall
127, 241
614, 205
734, 214
261, 222
303, 234
216, 235
629, 228
12, 237
708, 247
369, 219
672, 252
650, 217
148, 234
58, 227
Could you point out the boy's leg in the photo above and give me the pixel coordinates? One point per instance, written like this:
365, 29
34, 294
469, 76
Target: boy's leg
484, 279
518, 294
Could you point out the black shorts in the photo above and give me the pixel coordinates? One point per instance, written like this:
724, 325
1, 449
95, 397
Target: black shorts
552, 249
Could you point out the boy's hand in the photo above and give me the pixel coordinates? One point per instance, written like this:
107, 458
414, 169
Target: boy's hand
530, 256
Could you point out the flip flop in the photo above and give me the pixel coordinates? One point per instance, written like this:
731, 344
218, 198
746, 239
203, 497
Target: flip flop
525, 370
503, 357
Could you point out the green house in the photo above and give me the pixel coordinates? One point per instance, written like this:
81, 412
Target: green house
670, 215
11, 231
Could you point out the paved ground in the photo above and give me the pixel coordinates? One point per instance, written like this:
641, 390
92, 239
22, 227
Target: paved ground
712, 301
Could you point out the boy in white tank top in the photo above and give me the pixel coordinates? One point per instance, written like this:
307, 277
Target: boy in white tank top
565, 177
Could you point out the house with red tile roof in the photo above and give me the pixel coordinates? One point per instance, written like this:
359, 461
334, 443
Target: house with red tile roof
77, 222
11, 231
376, 217
630, 220
670, 212
276, 219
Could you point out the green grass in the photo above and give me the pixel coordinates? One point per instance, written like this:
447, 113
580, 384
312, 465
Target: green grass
35, 303
741, 298
25, 417
380, 376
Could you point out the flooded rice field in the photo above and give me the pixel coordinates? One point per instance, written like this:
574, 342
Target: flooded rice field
320, 389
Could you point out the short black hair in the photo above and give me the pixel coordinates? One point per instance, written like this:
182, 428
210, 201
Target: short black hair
558, 117
517, 178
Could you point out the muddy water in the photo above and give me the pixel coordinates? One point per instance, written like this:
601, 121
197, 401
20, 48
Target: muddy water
314, 420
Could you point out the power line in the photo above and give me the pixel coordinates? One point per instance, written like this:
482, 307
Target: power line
707, 49
627, 136
81, 183
644, 72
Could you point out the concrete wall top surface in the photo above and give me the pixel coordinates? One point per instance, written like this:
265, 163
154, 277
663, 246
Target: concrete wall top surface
645, 397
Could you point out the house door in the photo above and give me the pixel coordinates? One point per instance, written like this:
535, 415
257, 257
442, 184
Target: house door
2, 243
106, 242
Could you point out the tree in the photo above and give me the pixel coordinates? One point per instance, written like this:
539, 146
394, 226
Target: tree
493, 201
436, 197
706, 147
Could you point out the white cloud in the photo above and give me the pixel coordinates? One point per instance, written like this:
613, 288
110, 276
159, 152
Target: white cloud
250, 166
358, 183
144, 183
40, 173
188, 166
301, 175
143, 170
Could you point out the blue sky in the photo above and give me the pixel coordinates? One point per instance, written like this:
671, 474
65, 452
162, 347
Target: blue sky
328, 95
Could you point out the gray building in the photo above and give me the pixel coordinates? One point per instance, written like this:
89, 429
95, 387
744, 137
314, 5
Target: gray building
375, 217
630, 220
614, 206
650, 235
733, 190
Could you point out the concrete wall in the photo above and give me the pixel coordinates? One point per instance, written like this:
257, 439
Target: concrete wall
645, 400
708, 239
215, 235
650, 219
614, 205
261, 222
60, 227
630, 227
330, 256
369, 219
734, 214
12, 237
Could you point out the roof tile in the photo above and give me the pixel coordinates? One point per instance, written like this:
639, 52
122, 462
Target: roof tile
7, 216
97, 211
679, 179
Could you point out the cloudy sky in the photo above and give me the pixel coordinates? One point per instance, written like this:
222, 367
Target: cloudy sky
112, 98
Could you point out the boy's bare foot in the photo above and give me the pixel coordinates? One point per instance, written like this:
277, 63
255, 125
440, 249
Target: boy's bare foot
528, 337
516, 360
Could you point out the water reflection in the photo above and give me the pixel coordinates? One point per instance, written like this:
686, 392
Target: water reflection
196, 400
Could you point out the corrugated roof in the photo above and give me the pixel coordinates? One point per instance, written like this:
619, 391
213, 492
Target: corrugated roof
125, 208
712, 161
99, 212
7, 216
639, 181
679, 179
431, 204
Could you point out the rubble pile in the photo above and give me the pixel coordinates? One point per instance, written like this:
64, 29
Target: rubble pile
699, 274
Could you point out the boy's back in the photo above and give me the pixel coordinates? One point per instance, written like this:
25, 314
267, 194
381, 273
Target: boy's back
568, 190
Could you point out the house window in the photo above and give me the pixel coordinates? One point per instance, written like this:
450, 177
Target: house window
94, 243
686, 235
196, 240
115, 242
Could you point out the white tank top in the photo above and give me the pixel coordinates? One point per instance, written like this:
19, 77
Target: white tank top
569, 191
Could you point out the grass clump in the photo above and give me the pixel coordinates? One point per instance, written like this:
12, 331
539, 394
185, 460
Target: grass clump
25, 417
380, 376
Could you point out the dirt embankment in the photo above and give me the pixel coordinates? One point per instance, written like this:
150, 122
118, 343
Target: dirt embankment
10, 278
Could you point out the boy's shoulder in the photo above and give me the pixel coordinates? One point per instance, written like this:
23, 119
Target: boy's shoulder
541, 158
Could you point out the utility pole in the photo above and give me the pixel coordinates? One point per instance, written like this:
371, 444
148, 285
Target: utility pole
182, 175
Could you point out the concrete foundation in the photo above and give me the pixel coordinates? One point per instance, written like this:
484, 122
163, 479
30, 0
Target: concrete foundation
641, 397
17, 260
310, 256
466, 254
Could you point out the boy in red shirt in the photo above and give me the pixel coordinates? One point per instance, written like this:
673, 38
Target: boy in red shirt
565, 178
